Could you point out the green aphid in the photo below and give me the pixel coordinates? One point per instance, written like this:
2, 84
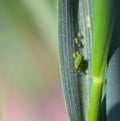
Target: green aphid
77, 59
74, 55
79, 35
78, 43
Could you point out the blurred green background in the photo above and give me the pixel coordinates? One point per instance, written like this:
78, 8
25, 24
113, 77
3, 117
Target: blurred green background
30, 88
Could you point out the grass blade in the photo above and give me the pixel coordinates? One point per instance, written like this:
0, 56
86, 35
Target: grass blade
75, 84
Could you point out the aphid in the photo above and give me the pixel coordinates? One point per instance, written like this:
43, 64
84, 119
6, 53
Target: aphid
77, 59
79, 35
74, 55
78, 43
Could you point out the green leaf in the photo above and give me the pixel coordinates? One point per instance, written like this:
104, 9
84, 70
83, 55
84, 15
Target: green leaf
113, 87
113, 75
103, 21
75, 16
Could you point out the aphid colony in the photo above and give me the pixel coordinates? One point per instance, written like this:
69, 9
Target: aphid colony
79, 62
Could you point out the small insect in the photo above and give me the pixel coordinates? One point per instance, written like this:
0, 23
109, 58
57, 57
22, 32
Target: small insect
78, 43
77, 59
76, 40
79, 35
79, 62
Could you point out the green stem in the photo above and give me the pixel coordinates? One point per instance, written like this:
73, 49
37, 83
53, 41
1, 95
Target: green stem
95, 98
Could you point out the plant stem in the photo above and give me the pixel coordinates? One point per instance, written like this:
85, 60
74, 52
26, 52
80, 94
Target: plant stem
95, 98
